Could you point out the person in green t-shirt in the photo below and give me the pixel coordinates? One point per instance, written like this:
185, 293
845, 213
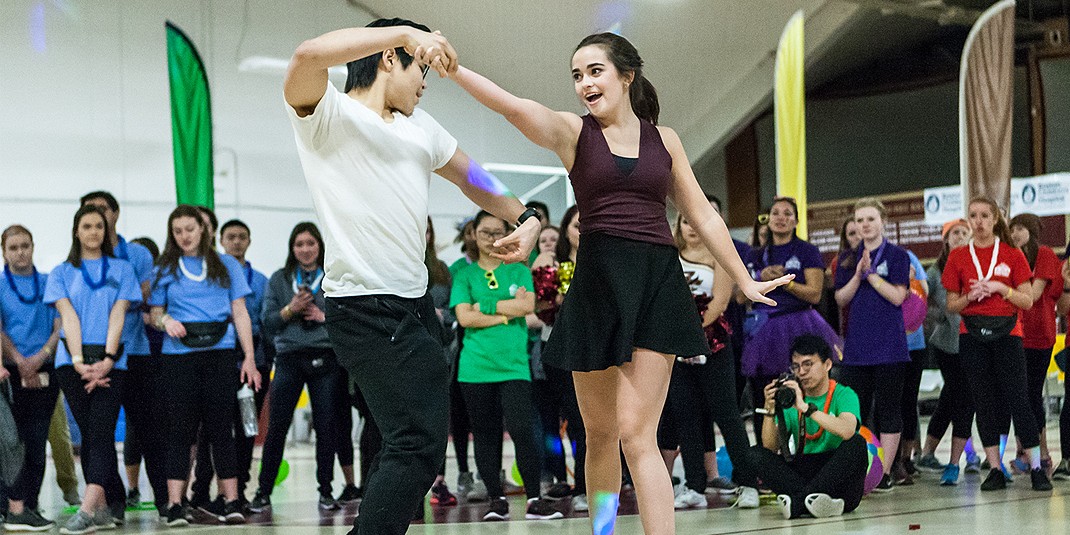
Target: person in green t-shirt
827, 477
491, 300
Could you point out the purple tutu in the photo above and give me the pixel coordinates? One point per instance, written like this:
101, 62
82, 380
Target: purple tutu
767, 351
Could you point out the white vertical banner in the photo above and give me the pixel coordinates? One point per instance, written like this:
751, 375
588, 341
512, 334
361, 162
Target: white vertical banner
1041, 195
943, 204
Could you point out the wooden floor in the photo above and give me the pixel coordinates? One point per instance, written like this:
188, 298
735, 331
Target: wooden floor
922, 508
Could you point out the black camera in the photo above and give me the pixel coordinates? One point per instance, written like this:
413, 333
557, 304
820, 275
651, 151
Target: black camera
785, 395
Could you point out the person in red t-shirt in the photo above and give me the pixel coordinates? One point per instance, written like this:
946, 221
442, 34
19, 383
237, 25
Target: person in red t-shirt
1038, 323
988, 282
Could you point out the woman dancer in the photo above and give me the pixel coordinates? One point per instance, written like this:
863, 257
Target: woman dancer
621, 343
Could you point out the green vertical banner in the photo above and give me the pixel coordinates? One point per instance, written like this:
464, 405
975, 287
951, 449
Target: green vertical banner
191, 120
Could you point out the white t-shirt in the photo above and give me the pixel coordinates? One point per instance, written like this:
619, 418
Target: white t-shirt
703, 274
369, 181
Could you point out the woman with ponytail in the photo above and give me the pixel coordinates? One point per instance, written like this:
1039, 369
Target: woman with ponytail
988, 283
628, 312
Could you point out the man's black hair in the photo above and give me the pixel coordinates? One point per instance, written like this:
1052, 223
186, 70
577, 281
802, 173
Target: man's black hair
108, 198
363, 71
234, 223
810, 344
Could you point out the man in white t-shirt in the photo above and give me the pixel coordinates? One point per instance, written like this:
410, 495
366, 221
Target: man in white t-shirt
368, 154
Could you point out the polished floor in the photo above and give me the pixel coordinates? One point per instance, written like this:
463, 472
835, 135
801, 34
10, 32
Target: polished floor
924, 507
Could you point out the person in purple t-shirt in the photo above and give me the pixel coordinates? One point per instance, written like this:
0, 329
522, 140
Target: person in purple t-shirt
873, 281
768, 330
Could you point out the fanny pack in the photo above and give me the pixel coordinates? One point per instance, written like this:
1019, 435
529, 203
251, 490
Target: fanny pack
204, 333
91, 353
988, 328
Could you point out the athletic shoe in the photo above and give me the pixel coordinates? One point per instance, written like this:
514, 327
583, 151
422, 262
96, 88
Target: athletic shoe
996, 480
327, 502
118, 513
973, 463
928, 463
885, 485
441, 495
350, 494
1062, 472
823, 506
261, 502
558, 491
901, 475
908, 465
784, 501
80, 523
464, 483
175, 517
579, 503
950, 477
102, 520
232, 513
747, 498
721, 485
542, 509
478, 491
498, 510
687, 498
27, 520
133, 498
1039, 478
212, 508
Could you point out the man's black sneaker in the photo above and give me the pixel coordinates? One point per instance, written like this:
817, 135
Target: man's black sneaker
349, 494
327, 502
559, 491
261, 502
118, 513
1039, 478
27, 520
232, 513
133, 498
498, 510
213, 508
885, 484
542, 509
176, 516
995, 480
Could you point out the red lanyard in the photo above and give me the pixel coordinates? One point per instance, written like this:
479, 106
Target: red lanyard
828, 403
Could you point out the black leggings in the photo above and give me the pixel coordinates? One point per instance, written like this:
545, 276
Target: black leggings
880, 389
32, 411
757, 395
555, 399
1036, 371
909, 400
96, 413
488, 403
201, 391
955, 406
146, 423
840, 473
996, 371
701, 395
293, 370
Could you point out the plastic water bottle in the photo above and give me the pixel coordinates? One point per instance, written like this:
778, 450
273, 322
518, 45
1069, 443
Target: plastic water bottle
247, 406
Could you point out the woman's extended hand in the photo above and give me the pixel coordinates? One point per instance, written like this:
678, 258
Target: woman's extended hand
756, 290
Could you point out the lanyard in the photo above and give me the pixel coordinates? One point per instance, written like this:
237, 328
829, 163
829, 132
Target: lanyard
991, 265
37, 295
313, 287
103, 274
192, 277
249, 273
765, 252
828, 403
120, 249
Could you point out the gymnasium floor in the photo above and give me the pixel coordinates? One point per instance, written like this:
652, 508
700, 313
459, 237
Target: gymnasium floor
922, 508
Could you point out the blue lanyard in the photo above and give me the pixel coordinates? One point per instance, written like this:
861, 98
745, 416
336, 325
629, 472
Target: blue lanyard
37, 295
314, 286
765, 252
249, 273
103, 274
120, 250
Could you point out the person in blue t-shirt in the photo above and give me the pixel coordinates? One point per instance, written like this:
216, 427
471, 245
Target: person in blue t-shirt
92, 292
29, 336
235, 238
198, 299
145, 417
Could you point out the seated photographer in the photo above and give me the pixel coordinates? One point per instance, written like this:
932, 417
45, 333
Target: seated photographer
825, 475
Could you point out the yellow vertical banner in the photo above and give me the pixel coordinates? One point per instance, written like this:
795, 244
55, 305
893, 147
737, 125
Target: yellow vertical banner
789, 113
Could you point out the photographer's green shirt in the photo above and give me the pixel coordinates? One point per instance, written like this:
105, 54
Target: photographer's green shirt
498, 353
844, 400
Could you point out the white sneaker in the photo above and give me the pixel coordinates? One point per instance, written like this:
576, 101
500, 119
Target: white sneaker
823, 506
579, 503
478, 492
785, 505
687, 498
748, 498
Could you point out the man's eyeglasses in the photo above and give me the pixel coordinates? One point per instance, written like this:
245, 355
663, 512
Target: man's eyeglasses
425, 68
492, 281
803, 367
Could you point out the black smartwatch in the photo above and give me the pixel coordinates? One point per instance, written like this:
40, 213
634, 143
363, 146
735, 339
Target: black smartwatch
111, 357
810, 410
529, 213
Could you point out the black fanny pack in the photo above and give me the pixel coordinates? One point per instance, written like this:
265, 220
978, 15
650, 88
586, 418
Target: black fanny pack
91, 353
204, 333
988, 328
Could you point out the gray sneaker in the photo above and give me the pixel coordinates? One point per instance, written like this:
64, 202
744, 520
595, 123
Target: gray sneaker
26, 521
80, 523
929, 463
464, 483
102, 520
477, 492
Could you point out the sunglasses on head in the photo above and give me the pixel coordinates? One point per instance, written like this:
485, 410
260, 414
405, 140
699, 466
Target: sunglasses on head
492, 281
763, 219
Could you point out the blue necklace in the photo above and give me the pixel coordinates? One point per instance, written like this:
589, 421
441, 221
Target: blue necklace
249, 273
120, 250
37, 295
103, 274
